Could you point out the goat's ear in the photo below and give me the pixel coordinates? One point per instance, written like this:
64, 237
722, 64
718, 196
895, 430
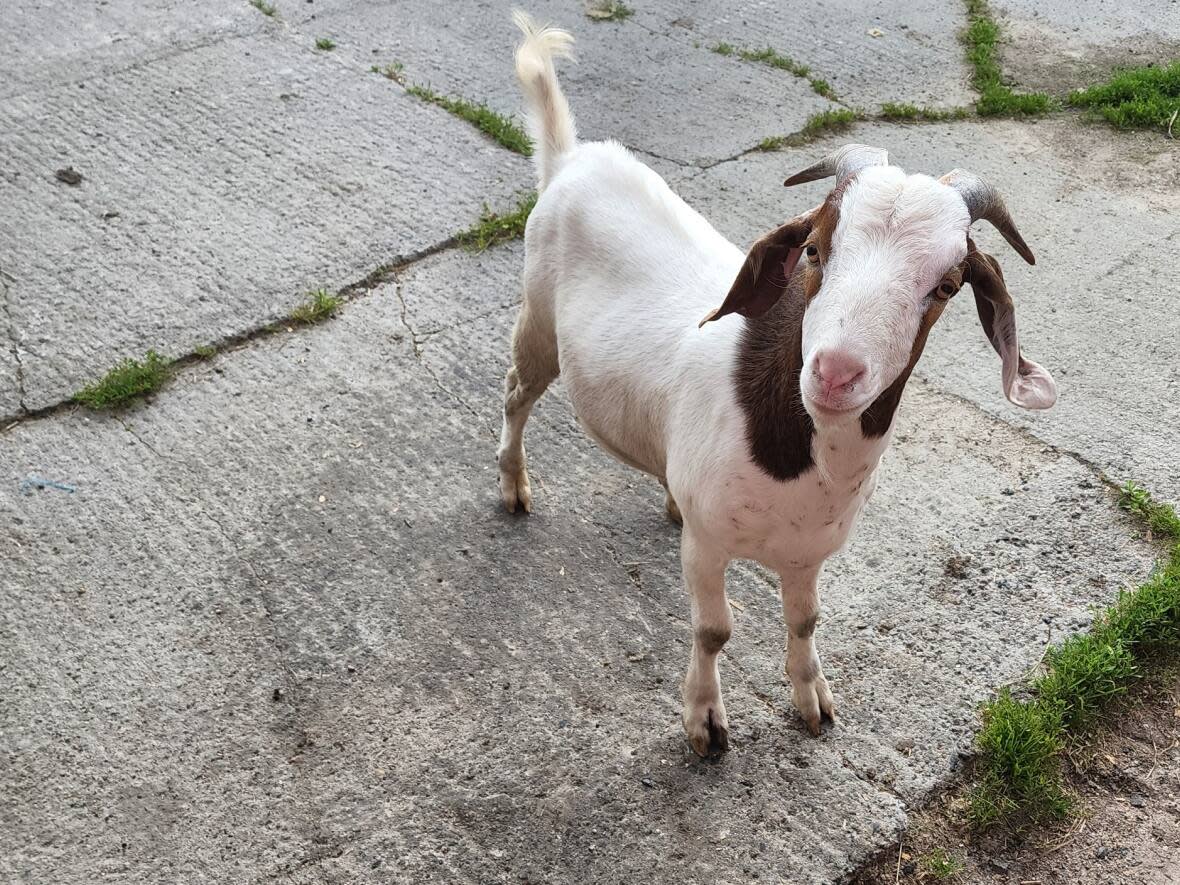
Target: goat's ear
1026, 384
766, 271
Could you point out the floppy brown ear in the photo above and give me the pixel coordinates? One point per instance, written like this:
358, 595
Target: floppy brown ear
1026, 384
766, 271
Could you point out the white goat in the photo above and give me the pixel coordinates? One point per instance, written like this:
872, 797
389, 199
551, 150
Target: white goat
766, 430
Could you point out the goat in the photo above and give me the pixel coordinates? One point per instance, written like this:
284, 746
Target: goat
766, 430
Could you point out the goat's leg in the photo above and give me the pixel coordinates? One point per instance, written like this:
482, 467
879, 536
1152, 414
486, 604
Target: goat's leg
809, 688
534, 366
712, 622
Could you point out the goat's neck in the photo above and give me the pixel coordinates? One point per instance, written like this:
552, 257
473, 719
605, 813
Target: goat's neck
783, 439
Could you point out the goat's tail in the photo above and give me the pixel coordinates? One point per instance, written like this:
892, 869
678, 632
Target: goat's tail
550, 122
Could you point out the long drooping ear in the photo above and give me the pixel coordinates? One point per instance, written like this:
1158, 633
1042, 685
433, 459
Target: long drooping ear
766, 271
1026, 384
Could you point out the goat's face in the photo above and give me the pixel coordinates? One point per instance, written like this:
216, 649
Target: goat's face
875, 265
878, 266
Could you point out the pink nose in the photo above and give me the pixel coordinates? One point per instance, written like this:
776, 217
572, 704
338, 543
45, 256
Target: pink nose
837, 369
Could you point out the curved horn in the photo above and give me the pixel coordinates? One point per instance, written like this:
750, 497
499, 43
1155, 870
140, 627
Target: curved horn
841, 162
984, 201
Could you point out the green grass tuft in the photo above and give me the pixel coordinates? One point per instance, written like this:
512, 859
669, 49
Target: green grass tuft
204, 351
493, 228
775, 59
127, 381
817, 125
394, 71
822, 87
995, 99
496, 126
1160, 518
911, 112
609, 11
941, 864
319, 306
267, 9
1134, 98
726, 49
325, 43
1019, 768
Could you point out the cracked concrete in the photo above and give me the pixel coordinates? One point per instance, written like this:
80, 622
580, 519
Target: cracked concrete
282, 632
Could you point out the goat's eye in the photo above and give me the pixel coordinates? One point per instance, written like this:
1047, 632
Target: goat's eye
946, 289
812, 253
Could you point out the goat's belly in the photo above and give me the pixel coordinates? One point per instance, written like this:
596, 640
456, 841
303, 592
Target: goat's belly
616, 419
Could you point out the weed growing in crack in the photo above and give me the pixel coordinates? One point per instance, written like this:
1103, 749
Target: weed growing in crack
1147, 97
327, 44
318, 307
941, 864
493, 228
496, 126
394, 71
817, 125
995, 98
912, 113
1019, 776
129, 380
204, 351
267, 9
775, 59
609, 11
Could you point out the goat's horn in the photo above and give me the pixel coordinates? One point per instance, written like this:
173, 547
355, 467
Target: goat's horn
841, 162
984, 201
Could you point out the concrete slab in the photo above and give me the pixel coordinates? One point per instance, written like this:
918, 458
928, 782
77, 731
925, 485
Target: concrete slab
219, 186
10, 380
874, 52
658, 95
282, 631
1059, 45
1099, 210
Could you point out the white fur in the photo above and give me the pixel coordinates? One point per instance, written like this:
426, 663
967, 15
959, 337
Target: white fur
618, 270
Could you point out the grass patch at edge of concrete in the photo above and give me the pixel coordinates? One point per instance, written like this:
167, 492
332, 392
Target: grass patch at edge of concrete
995, 98
129, 380
496, 126
1019, 775
905, 112
493, 227
1134, 98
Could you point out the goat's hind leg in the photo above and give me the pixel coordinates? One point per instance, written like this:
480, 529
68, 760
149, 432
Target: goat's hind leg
534, 366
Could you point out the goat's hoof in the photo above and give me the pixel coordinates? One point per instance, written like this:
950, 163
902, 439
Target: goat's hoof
515, 490
707, 730
673, 510
814, 702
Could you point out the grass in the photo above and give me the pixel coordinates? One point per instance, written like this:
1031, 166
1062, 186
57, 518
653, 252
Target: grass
394, 71
775, 59
912, 113
1134, 97
823, 123
496, 126
995, 98
267, 9
129, 380
1022, 739
609, 11
204, 351
325, 43
941, 864
318, 307
493, 228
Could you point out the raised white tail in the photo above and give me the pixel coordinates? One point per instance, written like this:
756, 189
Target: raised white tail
550, 122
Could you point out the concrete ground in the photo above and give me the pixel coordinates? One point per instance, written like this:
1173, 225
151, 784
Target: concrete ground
280, 630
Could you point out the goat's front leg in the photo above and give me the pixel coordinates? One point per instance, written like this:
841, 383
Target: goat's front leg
809, 688
712, 622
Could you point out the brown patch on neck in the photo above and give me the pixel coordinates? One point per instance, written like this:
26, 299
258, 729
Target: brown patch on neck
877, 418
770, 358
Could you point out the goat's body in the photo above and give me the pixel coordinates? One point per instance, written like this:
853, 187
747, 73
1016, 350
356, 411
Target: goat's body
638, 268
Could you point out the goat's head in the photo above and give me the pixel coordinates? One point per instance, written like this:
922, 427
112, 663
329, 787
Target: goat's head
879, 260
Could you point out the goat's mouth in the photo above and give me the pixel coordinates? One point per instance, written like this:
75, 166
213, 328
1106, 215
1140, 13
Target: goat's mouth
831, 412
